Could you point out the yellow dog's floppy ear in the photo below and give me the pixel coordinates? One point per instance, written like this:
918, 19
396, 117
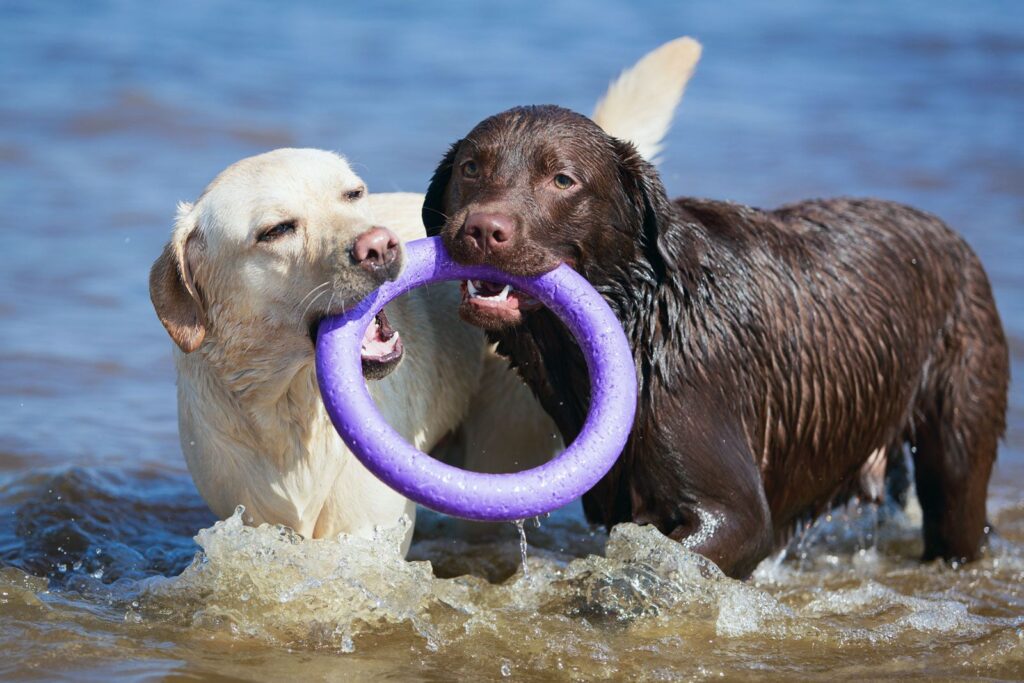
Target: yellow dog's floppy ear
172, 286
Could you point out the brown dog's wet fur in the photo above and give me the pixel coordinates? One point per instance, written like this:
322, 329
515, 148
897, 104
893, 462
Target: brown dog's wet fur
776, 350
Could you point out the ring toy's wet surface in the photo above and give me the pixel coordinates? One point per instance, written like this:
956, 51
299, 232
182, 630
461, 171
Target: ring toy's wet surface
472, 495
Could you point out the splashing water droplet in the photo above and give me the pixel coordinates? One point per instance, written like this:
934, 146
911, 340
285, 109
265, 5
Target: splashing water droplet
520, 525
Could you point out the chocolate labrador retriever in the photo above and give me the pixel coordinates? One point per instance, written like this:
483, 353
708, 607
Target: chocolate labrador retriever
776, 350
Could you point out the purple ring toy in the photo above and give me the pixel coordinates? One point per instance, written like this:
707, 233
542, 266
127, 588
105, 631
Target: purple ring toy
458, 492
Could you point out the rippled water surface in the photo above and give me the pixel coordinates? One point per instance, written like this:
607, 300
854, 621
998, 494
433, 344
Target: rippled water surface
110, 564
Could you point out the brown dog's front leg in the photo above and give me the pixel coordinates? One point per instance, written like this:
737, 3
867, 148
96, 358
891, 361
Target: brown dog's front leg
734, 539
701, 487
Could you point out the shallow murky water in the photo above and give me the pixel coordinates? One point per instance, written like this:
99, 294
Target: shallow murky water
111, 112
848, 598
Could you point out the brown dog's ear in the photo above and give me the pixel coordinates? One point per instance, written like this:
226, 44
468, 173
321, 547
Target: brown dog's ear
647, 195
172, 286
434, 216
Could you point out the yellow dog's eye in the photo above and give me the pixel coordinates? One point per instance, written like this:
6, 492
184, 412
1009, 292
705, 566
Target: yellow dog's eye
563, 182
470, 169
281, 229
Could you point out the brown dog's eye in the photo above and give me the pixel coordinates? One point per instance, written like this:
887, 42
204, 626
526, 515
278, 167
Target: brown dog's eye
470, 169
353, 195
271, 234
563, 182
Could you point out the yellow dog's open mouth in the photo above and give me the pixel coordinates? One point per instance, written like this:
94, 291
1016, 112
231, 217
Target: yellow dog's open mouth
381, 349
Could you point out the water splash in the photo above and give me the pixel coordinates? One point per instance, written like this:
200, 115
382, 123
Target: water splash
520, 525
637, 594
270, 583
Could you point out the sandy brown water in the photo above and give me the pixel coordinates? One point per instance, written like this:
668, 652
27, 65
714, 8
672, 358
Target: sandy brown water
112, 568
850, 602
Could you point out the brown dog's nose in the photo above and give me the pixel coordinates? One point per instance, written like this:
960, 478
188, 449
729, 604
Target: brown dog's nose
375, 249
490, 231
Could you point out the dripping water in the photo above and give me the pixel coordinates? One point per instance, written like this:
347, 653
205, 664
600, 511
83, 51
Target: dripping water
520, 525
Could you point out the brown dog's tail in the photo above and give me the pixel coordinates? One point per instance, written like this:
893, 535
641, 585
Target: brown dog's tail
641, 102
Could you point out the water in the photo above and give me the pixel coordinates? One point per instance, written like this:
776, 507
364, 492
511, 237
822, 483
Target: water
520, 525
110, 112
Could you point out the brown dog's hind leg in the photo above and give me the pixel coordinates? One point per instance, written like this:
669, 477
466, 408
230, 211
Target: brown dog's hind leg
951, 485
964, 413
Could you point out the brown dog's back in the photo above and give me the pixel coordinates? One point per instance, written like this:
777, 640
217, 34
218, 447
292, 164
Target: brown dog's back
856, 325
776, 351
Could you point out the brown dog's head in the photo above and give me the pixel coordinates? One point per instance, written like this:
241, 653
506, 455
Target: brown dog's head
534, 187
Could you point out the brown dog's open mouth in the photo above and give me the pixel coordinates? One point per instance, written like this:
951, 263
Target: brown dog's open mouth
493, 306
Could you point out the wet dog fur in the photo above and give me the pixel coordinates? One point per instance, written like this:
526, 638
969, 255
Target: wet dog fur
776, 350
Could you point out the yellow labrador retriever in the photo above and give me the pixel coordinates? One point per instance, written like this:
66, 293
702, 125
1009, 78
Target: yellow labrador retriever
280, 240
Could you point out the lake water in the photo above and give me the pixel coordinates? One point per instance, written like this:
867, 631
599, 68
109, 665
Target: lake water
110, 112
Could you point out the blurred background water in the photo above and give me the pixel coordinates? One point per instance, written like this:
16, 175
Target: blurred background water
112, 111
